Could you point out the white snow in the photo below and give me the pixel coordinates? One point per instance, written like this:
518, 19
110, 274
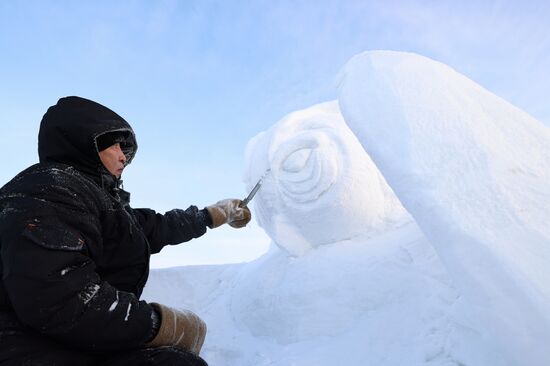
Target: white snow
321, 186
474, 172
115, 303
383, 300
128, 312
352, 277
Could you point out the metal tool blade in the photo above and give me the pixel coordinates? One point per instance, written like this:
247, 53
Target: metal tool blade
255, 189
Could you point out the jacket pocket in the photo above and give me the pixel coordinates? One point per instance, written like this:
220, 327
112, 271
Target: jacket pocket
53, 235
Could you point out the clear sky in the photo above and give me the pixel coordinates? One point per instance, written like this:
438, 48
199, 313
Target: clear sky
198, 79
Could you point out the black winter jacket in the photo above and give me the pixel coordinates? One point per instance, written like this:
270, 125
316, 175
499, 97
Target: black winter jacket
74, 256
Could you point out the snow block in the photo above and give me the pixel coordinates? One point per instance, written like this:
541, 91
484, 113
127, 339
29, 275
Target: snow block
474, 172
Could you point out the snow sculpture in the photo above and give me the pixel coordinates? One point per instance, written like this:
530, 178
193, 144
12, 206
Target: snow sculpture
474, 172
322, 187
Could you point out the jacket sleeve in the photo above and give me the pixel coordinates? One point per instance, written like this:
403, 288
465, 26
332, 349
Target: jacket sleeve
174, 227
52, 281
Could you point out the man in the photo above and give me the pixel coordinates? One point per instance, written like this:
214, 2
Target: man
74, 256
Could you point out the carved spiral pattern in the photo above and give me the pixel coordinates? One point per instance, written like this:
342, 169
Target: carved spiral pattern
322, 186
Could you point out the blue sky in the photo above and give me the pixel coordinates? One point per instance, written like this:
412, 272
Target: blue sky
198, 79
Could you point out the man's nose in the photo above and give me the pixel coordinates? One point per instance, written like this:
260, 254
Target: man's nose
121, 156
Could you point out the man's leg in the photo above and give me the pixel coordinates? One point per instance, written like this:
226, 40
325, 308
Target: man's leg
166, 356
18, 348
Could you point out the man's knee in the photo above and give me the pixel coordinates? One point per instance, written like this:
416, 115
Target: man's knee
165, 356
175, 356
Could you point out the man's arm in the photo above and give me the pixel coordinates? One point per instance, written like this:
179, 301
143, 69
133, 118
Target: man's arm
178, 226
174, 227
59, 294
51, 278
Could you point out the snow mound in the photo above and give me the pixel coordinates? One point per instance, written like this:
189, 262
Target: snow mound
368, 301
474, 172
321, 187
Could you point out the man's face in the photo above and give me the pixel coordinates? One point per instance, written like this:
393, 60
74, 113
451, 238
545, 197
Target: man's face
113, 159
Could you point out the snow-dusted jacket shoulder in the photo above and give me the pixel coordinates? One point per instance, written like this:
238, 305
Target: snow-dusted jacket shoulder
74, 259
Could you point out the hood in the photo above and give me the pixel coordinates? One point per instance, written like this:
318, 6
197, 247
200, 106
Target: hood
69, 130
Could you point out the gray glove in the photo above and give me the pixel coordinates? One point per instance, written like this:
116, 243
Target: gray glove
180, 328
230, 211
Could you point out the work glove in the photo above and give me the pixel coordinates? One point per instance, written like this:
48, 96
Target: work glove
231, 211
180, 328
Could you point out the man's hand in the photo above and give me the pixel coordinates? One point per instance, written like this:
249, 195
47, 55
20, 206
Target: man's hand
180, 328
230, 211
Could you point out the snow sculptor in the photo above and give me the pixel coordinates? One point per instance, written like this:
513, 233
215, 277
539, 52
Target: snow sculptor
75, 256
322, 187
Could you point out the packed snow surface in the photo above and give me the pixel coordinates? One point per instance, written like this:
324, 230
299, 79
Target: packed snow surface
455, 277
383, 300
